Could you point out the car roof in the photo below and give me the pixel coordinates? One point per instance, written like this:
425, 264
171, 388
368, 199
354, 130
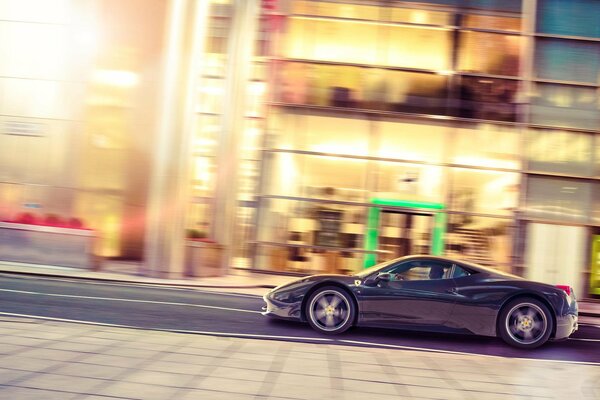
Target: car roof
467, 264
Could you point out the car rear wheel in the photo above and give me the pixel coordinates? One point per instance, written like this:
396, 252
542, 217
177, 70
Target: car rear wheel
330, 310
525, 323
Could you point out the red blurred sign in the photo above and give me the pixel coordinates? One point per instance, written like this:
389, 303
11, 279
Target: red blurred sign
269, 4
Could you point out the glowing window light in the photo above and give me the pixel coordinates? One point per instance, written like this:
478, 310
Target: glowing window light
112, 77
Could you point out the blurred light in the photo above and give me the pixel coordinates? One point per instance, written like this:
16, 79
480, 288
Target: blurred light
418, 17
202, 172
257, 88
347, 11
113, 77
212, 90
88, 39
485, 162
445, 72
201, 143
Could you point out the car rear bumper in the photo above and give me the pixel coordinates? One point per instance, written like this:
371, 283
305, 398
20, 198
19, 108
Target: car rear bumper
566, 326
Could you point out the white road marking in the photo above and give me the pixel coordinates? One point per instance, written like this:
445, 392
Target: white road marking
199, 289
227, 334
130, 300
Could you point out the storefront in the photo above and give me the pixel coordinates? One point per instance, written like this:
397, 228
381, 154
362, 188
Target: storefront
323, 136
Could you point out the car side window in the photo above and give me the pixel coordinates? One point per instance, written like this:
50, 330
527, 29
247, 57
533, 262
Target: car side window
459, 272
419, 270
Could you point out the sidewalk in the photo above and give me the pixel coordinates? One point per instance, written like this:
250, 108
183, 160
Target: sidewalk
55, 360
239, 281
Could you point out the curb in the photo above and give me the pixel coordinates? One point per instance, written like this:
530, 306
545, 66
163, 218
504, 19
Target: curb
164, 284
588, 314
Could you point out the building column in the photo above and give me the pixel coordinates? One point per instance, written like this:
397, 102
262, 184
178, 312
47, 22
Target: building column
239, 63
170, 183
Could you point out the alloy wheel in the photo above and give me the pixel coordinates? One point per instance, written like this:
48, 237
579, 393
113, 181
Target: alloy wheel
526, 323
329, 310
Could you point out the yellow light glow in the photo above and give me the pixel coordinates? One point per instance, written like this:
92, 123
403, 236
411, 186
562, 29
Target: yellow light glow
202, 172
115, 77
257, 88
418, 17
339, 148
486, 162
212, 90
88, 39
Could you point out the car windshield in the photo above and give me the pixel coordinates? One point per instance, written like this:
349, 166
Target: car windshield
374, 268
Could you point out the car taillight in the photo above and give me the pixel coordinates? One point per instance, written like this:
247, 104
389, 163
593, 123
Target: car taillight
566, 288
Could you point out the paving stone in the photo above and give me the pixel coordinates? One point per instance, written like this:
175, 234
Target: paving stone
90, 371
133, 390
230, 385
159, 378
9, 375
27, 364
73, 384
19, 393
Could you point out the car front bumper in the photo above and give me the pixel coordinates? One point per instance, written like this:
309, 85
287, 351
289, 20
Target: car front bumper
278, 309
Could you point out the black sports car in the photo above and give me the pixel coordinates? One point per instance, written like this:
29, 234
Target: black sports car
430, 293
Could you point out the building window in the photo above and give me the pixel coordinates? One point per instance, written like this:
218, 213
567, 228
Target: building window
320, 134
560, 151
488, 98
487, 241
483, 192
479, 53
567, 60
487, 146
319, 177
558, 199
571, 18
496, 22
367, 43
338, 10
409, 182
416, 16
564, 105
414, 141
596, 204
423, 48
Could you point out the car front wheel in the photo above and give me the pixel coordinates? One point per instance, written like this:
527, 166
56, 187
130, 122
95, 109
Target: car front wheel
525, 323
330, 310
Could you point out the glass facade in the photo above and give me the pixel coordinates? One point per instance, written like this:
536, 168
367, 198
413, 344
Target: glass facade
363, 130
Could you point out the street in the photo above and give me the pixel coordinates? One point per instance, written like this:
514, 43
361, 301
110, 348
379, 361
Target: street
238, 315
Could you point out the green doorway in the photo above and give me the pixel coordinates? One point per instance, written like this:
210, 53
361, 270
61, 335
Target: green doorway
416, 207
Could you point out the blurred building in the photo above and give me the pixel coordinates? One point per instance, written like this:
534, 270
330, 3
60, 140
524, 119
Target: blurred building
310, 136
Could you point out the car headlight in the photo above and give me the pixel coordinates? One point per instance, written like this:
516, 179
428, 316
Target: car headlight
282, 296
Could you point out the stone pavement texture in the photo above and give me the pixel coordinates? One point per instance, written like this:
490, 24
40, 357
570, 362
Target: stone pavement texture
54, 360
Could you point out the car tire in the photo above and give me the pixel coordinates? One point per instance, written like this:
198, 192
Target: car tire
330, 310
525, 323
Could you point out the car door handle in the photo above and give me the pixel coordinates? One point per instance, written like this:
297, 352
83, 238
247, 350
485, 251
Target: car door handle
451, 290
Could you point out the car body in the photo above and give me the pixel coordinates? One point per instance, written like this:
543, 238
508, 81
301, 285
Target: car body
430, 293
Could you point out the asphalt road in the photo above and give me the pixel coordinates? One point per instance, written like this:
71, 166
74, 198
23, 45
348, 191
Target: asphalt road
239, 315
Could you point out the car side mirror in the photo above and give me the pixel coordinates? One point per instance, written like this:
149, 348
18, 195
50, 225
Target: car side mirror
383, 277
374, 280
